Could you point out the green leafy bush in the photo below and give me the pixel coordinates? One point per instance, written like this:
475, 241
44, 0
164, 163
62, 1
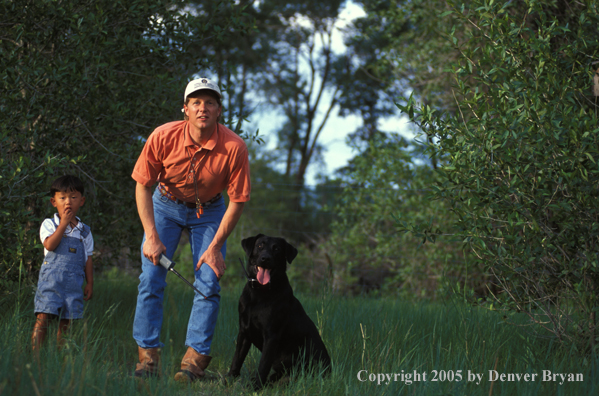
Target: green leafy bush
83, 82
389, 183
522, 157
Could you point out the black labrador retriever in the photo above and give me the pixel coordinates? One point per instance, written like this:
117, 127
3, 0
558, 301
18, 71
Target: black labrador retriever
271, 318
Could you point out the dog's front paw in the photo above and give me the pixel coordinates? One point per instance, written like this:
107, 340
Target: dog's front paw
230, 378
232, 374
257, 383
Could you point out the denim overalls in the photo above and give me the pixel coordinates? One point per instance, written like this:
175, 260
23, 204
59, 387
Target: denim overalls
59, 288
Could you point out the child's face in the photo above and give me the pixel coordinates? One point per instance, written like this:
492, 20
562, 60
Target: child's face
67, 203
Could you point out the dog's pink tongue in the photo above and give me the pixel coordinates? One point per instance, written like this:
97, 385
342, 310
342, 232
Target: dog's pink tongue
263, 276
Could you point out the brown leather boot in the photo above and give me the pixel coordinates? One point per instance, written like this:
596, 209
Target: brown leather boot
192, 366
148, 363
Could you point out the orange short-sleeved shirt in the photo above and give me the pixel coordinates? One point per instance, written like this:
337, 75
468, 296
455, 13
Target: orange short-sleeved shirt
222, 163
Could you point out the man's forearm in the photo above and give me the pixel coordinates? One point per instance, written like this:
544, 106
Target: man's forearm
227, 225
145, 208
153, 246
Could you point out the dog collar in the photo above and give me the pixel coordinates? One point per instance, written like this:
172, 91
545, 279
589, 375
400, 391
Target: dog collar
254, 284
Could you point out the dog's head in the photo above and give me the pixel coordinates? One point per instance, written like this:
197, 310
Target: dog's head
268, 256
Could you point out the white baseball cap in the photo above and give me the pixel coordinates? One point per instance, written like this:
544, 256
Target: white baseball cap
201, 83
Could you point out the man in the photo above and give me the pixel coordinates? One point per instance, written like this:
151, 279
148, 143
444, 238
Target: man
194, 161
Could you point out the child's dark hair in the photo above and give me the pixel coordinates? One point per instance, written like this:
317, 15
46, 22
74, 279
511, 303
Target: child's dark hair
66, 183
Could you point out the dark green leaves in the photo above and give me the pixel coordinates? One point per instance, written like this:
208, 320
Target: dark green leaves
522, 162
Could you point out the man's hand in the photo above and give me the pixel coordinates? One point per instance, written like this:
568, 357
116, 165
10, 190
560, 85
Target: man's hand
153, 248
214, 258
88, 291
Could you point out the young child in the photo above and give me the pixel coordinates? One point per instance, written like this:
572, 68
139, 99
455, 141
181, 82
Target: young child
68, 246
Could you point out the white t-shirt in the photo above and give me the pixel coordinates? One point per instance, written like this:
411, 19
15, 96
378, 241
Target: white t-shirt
48, 227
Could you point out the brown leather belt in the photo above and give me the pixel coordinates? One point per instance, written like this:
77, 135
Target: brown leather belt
163, 191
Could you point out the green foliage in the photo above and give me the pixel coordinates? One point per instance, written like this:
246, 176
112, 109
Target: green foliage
395, 47
298, 79
282, 63
521, 173
363, 78
233, 58
412, 49
83, 82
388, 183
274, 208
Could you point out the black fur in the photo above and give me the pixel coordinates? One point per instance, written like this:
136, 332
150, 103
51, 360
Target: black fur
272, 319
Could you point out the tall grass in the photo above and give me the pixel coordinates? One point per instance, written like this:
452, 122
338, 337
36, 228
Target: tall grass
376, 335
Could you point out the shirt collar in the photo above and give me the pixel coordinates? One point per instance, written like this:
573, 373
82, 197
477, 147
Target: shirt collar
210, 144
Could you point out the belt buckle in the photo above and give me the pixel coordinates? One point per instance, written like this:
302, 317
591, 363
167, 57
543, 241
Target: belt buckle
165, 193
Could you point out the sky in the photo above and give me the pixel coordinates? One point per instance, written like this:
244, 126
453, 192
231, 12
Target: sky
333, 138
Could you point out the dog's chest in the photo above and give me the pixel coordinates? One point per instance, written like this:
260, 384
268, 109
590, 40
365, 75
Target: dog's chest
261, 310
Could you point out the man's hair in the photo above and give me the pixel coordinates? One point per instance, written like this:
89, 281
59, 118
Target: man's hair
67, 183
203, 91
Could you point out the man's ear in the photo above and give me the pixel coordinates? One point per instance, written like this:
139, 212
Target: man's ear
53, 201
82, 200
248, 244
290, 252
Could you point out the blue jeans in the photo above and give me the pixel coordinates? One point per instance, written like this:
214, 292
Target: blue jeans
171, 218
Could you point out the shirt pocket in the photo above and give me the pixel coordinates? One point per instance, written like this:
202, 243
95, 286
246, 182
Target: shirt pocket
174, 174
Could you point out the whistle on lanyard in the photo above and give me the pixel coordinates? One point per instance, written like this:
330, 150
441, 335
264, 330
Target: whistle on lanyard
199, 208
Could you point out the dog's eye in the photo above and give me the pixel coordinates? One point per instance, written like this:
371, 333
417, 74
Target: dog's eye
275, 248
260, 246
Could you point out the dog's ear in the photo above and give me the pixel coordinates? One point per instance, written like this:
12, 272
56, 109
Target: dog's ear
248, 244
290, 252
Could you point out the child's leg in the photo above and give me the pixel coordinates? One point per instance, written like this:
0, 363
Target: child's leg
63, 327
40, 330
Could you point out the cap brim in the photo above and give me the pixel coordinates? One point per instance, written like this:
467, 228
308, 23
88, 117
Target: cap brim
204, 89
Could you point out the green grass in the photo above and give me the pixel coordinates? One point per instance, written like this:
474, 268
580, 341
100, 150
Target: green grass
377, 335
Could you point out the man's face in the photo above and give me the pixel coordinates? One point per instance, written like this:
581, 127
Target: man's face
202, 110
67, 202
